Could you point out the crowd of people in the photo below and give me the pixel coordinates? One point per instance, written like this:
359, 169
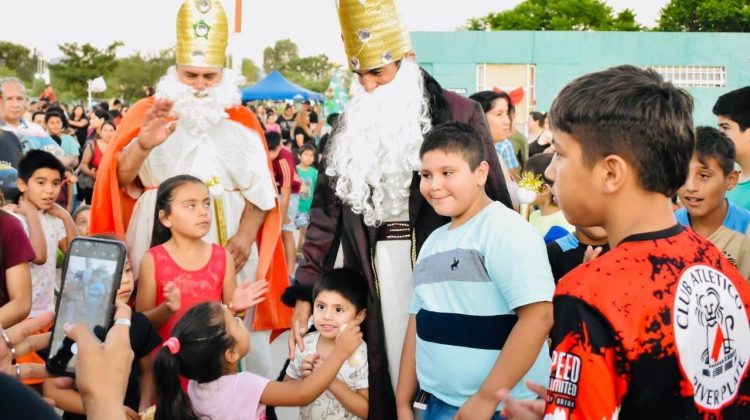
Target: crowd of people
391, 241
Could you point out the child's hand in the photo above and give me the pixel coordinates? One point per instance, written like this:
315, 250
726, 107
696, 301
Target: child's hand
247, 294
172, 297
349, 339
57, 211
591, 253
308, 365
25, 208
130, 414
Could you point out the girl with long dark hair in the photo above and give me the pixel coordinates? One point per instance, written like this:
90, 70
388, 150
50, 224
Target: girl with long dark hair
181, 269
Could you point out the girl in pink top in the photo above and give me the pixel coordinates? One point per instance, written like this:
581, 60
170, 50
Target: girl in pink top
182, 270
205, 347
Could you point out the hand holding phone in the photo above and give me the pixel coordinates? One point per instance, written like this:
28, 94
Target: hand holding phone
91, 276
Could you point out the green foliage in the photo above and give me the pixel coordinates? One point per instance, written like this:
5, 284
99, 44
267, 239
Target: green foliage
312, 72
81, 64
282, 53
136, 72
705, 16
18, 61
557, 15
250, 70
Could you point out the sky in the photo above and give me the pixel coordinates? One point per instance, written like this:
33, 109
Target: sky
149, 25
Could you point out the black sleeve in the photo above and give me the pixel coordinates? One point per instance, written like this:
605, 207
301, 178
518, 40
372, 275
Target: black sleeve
17, 401
143, 336
555, 256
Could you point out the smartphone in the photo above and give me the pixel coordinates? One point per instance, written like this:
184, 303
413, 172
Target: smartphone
91, 276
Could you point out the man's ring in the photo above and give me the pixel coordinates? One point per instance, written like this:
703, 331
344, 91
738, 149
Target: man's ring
12, 349
122, 321
18, 371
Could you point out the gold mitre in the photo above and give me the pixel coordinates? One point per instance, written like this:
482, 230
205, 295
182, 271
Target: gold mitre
374, 33
202, 33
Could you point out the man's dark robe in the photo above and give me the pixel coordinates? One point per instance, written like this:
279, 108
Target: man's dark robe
333, 224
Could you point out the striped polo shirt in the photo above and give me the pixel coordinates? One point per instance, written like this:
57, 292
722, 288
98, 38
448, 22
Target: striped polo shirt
467, 282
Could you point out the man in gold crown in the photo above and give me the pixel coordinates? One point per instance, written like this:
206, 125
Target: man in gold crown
195, 125
367, 201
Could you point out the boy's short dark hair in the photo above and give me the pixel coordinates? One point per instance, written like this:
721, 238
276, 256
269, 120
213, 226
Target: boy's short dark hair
454, 137
38, 159
537, 164
735, 105
273, 139
307, 147
33, 116
632, 113
712, 143
350, 284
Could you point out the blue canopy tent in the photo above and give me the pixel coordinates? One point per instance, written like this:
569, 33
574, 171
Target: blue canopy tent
276, 87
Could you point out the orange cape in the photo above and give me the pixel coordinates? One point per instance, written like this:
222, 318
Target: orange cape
111, 209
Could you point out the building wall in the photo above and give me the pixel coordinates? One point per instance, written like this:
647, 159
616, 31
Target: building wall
559, 57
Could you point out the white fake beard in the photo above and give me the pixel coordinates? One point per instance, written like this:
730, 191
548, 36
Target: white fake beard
376, 148
198, 113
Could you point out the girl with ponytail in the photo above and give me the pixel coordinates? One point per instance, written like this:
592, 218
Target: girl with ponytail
205, 347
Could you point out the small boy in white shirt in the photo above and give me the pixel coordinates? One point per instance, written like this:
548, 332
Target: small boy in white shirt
48, 225
339, 301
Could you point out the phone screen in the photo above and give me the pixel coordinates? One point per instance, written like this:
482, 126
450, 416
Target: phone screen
91, 277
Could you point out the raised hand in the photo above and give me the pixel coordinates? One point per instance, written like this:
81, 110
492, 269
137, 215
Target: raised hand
591, 253
157, 125
247, 294
172, 297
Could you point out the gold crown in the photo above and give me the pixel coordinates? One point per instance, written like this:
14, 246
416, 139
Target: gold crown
373, 33
202, 33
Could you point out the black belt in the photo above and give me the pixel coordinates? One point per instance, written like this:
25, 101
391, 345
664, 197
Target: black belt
393, 231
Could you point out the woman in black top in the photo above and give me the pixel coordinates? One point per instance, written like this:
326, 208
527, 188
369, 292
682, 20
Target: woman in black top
80, 124
540, 136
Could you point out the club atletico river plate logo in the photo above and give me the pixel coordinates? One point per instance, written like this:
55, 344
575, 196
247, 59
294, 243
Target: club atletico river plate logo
712, 335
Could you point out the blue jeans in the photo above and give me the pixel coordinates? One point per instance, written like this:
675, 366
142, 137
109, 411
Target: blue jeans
439, 410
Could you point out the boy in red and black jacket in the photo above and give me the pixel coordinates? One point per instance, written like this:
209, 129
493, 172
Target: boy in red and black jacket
658, 327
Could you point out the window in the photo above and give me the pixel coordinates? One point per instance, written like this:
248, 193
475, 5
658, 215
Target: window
694, 76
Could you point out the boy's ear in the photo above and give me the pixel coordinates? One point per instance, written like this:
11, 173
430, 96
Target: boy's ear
482, 172
732, 180
614, 173
360, 316
21, 185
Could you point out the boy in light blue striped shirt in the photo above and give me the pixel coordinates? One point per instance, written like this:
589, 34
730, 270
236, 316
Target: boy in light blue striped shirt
481, 307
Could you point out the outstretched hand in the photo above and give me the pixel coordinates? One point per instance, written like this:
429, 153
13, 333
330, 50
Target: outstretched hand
247, 294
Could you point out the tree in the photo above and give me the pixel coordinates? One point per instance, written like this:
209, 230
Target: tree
705, 16
17, 60
250, 70
283, 52
312, 72
557, 15
134, 73
81, 64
